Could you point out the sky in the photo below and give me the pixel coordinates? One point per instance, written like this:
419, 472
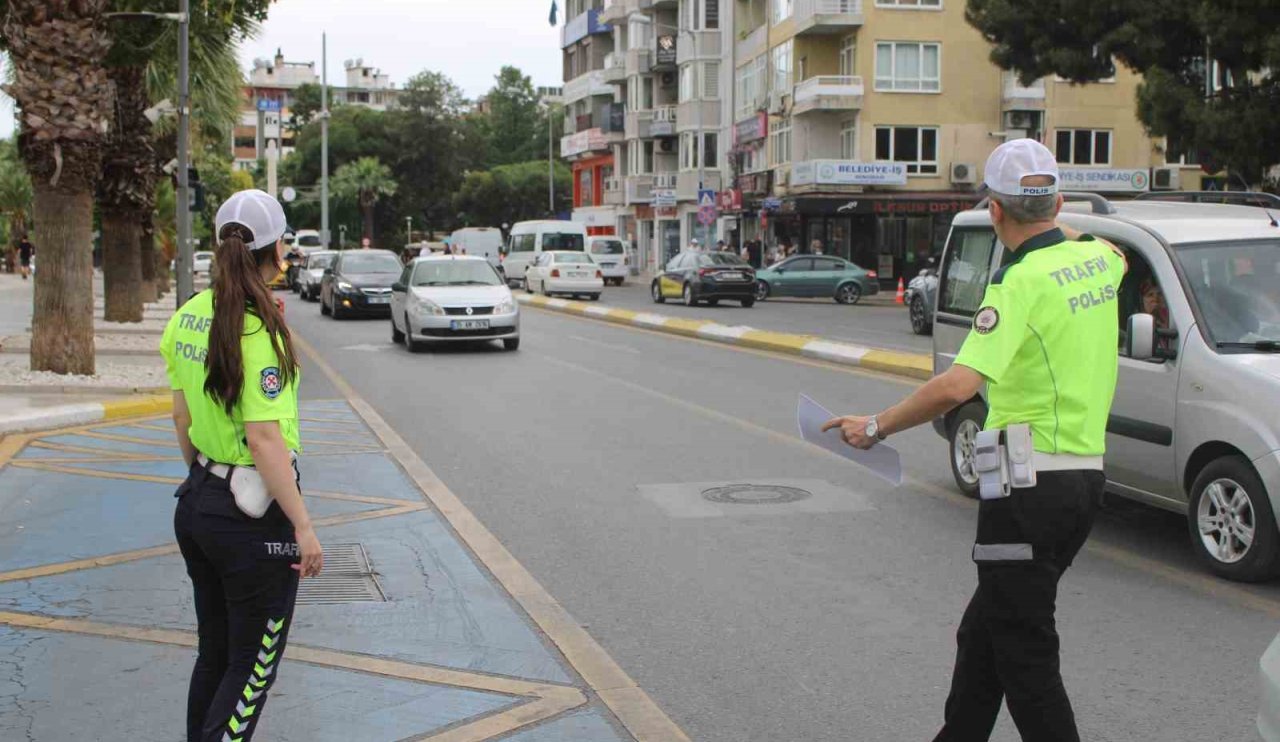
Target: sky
468, 40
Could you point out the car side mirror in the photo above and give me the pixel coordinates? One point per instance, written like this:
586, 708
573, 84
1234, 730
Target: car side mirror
328, 271
1140, 339
397, 286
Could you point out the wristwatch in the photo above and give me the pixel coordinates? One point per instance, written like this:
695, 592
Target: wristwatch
873, 428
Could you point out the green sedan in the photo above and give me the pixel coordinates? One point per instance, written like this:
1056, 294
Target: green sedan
816, 275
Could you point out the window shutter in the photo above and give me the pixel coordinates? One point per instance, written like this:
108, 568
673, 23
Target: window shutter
711, 80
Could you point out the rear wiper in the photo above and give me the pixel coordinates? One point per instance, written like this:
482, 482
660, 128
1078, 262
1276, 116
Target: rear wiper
1270, 346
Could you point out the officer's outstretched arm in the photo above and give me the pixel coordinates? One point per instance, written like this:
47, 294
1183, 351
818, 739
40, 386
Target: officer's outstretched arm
939, 396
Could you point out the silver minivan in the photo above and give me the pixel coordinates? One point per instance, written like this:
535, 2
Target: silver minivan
1195, 426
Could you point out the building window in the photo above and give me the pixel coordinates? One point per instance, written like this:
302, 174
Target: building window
640, 157
646, 153
781, 10
1178, 153
638, 30
910, 4
908, 67
700, 15
782, 67
1084, 147
646, 93
849, 139
699, 145
917, 146
710, 150
754, 159
752, 81
780, 138
585, 195
688, 82
848, 56
711, 80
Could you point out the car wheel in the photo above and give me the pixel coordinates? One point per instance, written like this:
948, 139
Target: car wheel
713, 302
748, 303
593, 297
1231, 522
963, 436
527, 288
335, 311
511, 344
397, 337
324, 308
848, 293
656, 292
920, 323
762, 290
543, 289
413, 345
689, 299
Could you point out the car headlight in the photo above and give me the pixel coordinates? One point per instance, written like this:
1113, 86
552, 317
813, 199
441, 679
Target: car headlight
428, 308
506, 306
344, 286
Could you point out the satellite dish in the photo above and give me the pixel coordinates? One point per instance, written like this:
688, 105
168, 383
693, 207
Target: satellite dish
288, 194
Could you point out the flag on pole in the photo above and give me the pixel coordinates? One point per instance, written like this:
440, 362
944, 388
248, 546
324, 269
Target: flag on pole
552, 19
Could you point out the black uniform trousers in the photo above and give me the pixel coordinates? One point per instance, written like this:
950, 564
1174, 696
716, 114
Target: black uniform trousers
1007, 643
245, 587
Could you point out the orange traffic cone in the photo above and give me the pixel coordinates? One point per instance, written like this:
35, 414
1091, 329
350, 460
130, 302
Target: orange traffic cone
902, 292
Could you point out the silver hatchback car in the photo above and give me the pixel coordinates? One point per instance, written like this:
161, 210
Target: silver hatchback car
1195, 426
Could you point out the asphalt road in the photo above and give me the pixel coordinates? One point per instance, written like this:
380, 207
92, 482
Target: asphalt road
876, 322
832, 618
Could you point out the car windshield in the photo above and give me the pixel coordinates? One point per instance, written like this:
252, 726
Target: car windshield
320, 262
309, 240
563, 259
455, 273
371, 263
607, 247
721, 258
1237, 286
562, 241
203, 255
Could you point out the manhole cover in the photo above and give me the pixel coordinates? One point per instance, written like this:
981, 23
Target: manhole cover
755, 494
347, 577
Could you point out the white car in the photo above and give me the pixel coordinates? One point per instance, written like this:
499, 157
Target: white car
565, 272
201, 262
312, 271
451, 298
1269, 693
614, 257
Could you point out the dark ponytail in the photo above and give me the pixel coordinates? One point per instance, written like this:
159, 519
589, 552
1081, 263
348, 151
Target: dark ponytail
238, 288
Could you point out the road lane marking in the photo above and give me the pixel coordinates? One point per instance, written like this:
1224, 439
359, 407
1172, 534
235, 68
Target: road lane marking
602, 344
629, 703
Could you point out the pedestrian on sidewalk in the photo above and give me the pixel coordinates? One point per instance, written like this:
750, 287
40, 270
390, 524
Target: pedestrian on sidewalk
25, 251
1051, 374
241, 523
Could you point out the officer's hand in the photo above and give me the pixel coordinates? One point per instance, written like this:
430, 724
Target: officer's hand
312, 554
853, 429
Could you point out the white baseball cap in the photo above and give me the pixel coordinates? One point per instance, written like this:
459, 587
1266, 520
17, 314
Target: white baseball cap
1021, 158
257, 210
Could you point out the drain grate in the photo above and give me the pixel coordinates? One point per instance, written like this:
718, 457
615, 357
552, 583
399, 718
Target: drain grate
755, 494
347, 578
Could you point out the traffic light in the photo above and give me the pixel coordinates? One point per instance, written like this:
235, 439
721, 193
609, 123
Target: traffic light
195, 190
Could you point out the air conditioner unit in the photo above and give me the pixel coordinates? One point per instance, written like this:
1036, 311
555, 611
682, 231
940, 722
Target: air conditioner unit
667, 144
1166, 179
964, 172
1019, 120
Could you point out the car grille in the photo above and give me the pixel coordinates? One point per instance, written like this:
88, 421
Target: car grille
375, 292
444, 332
461, 311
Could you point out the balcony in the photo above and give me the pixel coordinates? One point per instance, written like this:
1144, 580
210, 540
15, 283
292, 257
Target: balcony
664, 122
698, 114
584, 25
614, 192
613, 11
588, 142
663, 181
639, 189
615, 67
754, 44
817, 17
687, 183
639, 125
693, 45
827, 93
1018, 97
639, 61
586, 84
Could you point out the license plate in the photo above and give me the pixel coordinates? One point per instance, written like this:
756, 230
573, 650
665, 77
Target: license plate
469, 324
578, 275
731, 277
609, 265
378, 300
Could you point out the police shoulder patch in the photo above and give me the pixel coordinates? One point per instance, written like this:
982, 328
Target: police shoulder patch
271, 382
986, 320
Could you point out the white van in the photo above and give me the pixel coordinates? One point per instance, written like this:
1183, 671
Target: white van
485, 242
613, 255
529, 239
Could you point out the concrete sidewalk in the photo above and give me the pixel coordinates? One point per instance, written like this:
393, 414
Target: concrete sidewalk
405, 637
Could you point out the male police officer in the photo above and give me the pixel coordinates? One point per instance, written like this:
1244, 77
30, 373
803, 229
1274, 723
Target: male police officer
1044, 340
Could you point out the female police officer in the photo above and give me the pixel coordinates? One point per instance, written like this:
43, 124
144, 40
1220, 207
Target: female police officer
241, 523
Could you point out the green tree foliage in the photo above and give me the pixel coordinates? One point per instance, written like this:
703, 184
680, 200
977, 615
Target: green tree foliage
1167, 42
364, 182
516, 126
305, 106
15, 197
510, 193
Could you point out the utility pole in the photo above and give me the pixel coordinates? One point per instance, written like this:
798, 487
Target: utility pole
186, 281
551, 165
408, 229
324, 141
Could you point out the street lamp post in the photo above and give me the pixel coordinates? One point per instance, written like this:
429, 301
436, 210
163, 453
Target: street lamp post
324, 140
408, 229
342, 235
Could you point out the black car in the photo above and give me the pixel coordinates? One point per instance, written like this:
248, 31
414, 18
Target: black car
693, 277
359, 283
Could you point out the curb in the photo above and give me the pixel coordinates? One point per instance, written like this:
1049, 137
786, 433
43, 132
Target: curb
911, 365
86, 413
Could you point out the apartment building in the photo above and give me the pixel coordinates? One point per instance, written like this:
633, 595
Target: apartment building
268, 95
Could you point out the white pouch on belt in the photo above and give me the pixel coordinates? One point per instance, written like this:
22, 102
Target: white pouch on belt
1019, 447
250, 491
991, 465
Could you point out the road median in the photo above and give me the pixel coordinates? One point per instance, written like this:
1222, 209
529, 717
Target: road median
911, 365
84, 413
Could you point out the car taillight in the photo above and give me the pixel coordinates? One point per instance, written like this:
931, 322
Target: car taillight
626, 260
705, 272
599, 274
555, 272
871, 274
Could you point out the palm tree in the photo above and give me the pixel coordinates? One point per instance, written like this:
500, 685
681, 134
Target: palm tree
60, 85
15, 197
364, 182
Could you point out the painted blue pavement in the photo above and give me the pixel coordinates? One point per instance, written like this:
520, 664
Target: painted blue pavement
443, 609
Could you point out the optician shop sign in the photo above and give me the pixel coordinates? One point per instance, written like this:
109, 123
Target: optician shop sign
848, 172
1105, 180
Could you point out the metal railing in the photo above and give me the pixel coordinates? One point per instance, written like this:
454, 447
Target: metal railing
834, 85
809, 8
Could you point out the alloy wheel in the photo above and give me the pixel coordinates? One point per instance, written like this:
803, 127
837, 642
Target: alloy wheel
1226, 520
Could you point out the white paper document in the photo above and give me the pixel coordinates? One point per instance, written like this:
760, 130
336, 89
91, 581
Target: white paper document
881, 459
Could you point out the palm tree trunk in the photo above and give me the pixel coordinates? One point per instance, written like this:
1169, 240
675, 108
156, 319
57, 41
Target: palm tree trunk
127, 179
121, 266
62, 313
367, 210
147, 251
